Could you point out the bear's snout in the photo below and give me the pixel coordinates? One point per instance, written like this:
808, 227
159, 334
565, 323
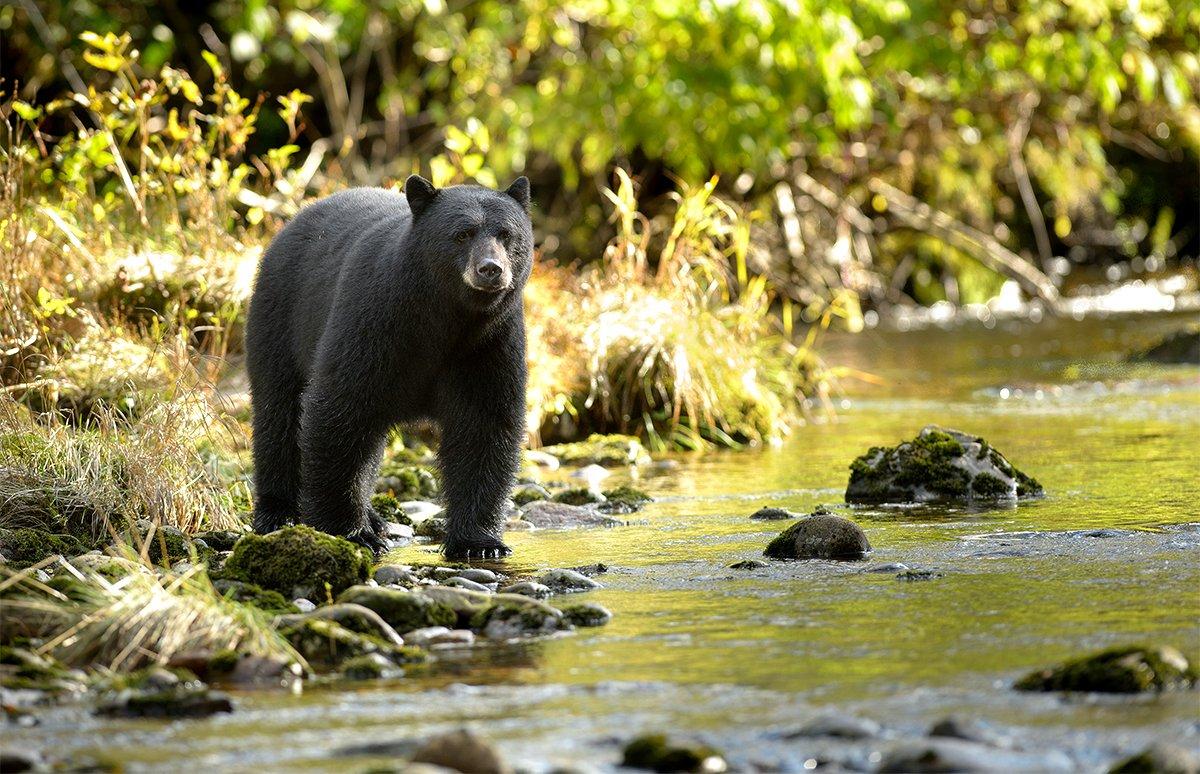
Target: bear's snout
489, 271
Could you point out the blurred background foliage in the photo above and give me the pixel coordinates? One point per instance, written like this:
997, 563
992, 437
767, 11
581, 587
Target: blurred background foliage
732, 168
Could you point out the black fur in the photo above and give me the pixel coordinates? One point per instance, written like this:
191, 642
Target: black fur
373, 308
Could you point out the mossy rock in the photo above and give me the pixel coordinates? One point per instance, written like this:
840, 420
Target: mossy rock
373, 666
387, 506
820, 536
939, 465
586, 614
655, 752
407, 482
168, 545
578, 496
607, 450
1159, 758
508, 619
1180, 348
433, 528
528, 493
24, 546
404, 610
21, 668
266, 600
1132, 669
219, 539
298, 558
326, 643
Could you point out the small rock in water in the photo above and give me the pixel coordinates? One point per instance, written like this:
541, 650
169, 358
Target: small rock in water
1181, 347
528, 493
655, 752
773, 514
586, 614
579, 496
477, 574
943, 754
608, 450
371, 666
567, 581
840, 726
1116, 670
470, 585
433, 528
1160, 758
304, 605
182, 701
820, 536
919, 575
461, 751
544, 514
403, 610
970, 730
748, 564
591, 569
13, 759
888, 567
509, 620
395, 575
542, 459
528, 589
939, 465
433, 636
419, 510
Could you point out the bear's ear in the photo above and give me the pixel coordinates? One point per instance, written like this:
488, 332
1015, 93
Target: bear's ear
420, 193
519, 190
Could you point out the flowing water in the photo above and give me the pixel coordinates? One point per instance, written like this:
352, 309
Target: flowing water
739, 658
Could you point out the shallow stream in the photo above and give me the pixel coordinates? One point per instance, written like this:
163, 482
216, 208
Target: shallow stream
740, 658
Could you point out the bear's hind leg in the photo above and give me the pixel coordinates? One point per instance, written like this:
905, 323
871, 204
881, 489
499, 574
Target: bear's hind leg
276, 404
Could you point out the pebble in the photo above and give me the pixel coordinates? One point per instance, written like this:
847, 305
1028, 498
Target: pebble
840, 726
748, 564
528, 589
478, 574
395, 575
464, 583
433, 636
567, 581
773, 514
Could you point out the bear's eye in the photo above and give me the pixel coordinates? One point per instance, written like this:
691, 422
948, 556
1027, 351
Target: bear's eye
503, 236
462, 236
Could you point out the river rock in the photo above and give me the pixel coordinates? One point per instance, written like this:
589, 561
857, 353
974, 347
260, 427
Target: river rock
509, 620
1181, 347
434, 636
567, 581
1135, 669
971, 730
579, 496
419, 510
528, 589
748, 564
461, 751
395, 575
773, 514
298, 562
959, 755
524, 494
355, 617
655, 752
606, 450
586, 614
840, 726
434, 529
820, 536
939, 465
15, 759
544, 514
463, 583
477, 574
623, 500
403, 610
183, 700
371, 666
1160, 758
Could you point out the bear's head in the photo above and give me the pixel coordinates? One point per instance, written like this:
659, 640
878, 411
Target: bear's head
477, 241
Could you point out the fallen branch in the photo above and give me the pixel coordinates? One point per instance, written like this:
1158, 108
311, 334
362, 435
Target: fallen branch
982, 247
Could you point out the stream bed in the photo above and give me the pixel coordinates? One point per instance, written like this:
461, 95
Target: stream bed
741, 659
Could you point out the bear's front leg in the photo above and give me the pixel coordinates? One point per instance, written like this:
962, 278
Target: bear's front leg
482, 417
339, 459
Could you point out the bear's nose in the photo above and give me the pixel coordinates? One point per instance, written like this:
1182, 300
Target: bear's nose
489, 269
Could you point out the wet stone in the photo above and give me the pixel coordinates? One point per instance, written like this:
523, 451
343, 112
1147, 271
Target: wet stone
1134, 669
586, 614
567, 581
773, 514
435, 636
528, 589
959, 755
970, 730
820, 536
477, 575
839, 726
657, 752
919, 575
748, 564
463, 751
395, 575
1160, 758
470, 585
550, 515
939, 465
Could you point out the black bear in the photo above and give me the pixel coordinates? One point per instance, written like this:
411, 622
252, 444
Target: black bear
373, 308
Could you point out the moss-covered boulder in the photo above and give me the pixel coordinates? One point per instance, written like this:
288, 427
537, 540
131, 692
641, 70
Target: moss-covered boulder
607, 450
1160, 758
219, 539
528, 493
623, 499
586, 614
21, 668
578, 496
267, 600
509, 620
820, 536
25, 546
432, 529
299, 562
1131, 669
939, 465
655, 752
404, 610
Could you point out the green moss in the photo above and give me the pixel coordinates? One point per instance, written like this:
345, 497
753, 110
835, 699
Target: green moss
267, 600
988, 487
298, 557
432, 528
25, 546
223, 662
577, 496
624, 499
327, 643
655, 752
219, 540
409, 482
528, 493
1028, 486
586, 614
607, 450
403, 610
169, 545
387, 506
1132, 669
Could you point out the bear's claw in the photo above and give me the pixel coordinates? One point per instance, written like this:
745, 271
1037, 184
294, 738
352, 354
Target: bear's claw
489, 548
367, 538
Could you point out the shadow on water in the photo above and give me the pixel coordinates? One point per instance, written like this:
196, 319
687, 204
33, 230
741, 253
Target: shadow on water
741, 657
